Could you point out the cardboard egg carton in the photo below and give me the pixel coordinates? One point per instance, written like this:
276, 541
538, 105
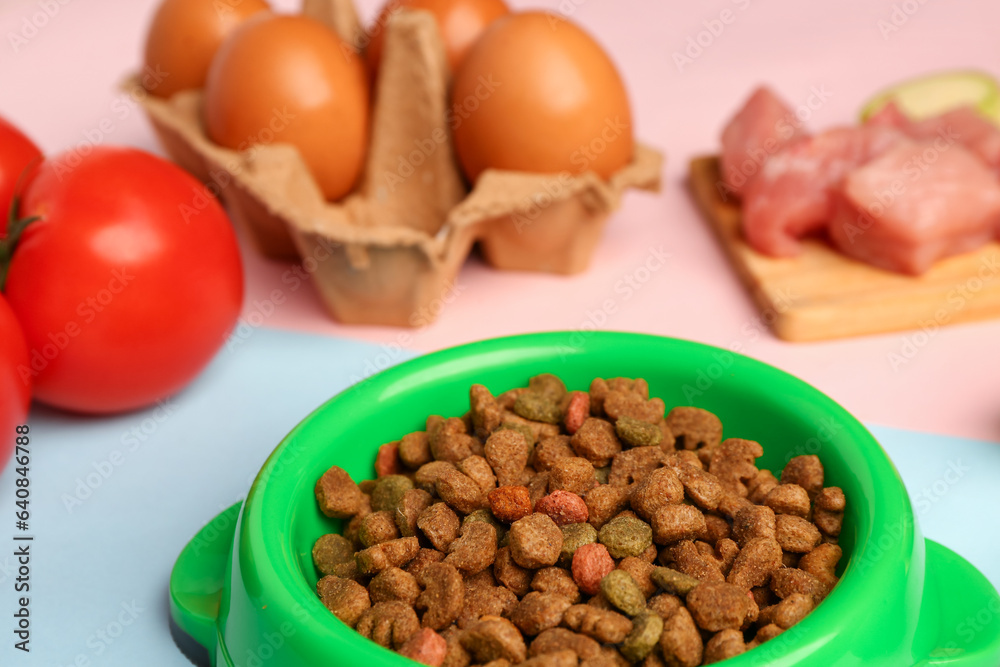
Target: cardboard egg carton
389, 251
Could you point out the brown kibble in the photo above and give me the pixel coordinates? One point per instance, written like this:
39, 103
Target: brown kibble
389, 624
538, 486
716, 606
577, 411
443, 596
537, 612
415, 450
510, 574
789, 559
685, 558
479, 471
510, 503
487, 414
673, 523
829, 523
409, 509
423, 558
555, 640
724, 645
535, 541
394, 553
334, 554
795, 534
664, 604
760, 486
550, 450
726, 552
703, 488
557, 659
574, 474
787, 580
762, 595
600, 388
533, 431
394, 584
426, 647
831, 499
439, 524
337, 494
756, 561
788, 612
659, 488
828, 513
788, 499
632, 465
765, 633
716, 528
563, 507
821, 563
507, 452
596, 441
591, 563
485, 600
731, 503
680, 642
387, 460
805, 471
640, 571
494, 638
475, 549
556, 581
620, 404
605, 502
427, 475
603, 625
693, 428
733, 463
448, 440
376, 528
345, 598
752, 522
460, 491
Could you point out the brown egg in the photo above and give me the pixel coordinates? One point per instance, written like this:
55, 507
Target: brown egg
183, 38
538, 94
291, 80
461, 22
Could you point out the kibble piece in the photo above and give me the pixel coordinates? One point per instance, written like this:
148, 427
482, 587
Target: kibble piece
619, 404
632, 465
603, 625
427, 475
443, 596
558, 659
646, 630
563, 507
426, 647
347, 599
680, 642
538, 486
664, 604
537, 612
394, 553
638, 433
549, 385
805, 471
550, 450
479, 471
625, 536
596, 441
605, 502
693, 428
723, 645
556, 581
485, 516
460, 491
659, 488
795, 534
387, 460
577, 411
494, 638
538, 407
766, 633
703, 488
555, 640
394, 584
456, 655
415, 450
408, 510
510, 574
475, 549
673, 523
755, 563
684, 557
788, 499
620, 589
731, 503
641, 571
533, 431
753, 522
574, 474
789, 580
334, 554
389, 624
717, 606
389, 491
449, 441
821, 562
507, 452
486, 411
535, 541
673, 581
831, 499
510, 503
423, 558
376, 528
760, 486
716, 528
733, 461
337, 494
485, 600
788, 612
575, 535
828, 513
439, 524
591, 563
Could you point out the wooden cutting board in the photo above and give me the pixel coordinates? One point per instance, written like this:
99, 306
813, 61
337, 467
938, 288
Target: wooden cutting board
822, 295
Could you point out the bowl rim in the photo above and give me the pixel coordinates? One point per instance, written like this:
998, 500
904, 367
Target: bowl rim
274, 557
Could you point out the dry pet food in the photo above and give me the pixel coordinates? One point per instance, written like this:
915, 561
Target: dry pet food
554, 527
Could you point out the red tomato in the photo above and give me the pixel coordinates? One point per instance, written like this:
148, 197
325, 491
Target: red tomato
15, 392
124, 288
16, 153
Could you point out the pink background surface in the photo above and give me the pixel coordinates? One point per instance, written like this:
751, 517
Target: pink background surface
60, 87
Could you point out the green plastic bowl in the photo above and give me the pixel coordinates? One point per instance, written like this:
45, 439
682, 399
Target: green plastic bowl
243, 588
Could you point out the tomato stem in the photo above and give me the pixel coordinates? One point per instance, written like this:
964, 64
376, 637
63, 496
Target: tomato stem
15, 227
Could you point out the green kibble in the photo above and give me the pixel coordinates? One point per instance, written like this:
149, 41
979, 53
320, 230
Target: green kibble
548, 385
537, 407
388, 491
626, 536
646, 630
487, 517
334, 554
620, 589
673, 581
637, 433
575, 535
